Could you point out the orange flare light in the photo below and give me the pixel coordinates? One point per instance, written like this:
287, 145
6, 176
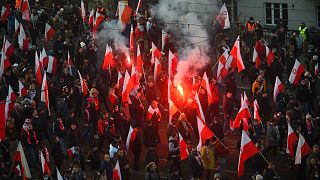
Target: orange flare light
129, 60
180, 89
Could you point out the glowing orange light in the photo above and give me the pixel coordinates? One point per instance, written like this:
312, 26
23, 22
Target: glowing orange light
180, 89
129, 60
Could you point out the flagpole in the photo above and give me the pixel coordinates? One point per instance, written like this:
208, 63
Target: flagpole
268, 163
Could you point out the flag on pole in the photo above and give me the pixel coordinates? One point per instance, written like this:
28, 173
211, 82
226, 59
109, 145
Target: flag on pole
296, 73
157, 69
184, 153
44, 165
303, 149
256, 110
25, 10
292, 138
5, 12
91, 17
84, 87
278, 88
22, 90
155, 53
45, 92
132, 39
256, 58
223, 17
83, 11
199, 108
21, 159
138, 6
49, 32
8, 48
71, 151
204, 133
52, 65
116, 172
269, 56
38, 69
59, 177
139, 61
11, 97
236, 54
206, 85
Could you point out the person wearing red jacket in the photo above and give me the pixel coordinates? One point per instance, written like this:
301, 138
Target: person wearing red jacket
102, 125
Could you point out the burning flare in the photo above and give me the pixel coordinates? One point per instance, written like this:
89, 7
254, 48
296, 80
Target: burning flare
180, 89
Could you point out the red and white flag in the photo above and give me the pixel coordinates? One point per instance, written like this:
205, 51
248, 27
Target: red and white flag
278, 88
173, 109
139, 61
269, 56
70, 64
43, 58
120, 80
108, 59
11, 97
132, 39
199, 108
91, 17
292, 138
3, 59
5, 12
45, 92
83, 11
25, 10
225, 61
156, 54
59, 177
116, 172
138, 6
236, 54
164, 39
242, 114
134, 81
204, 133
206, 85
247, 150
8, 48
126, 90
52, 65
21, 159
49, 32
184, 153
17, 170
316, 69
173, 62
131, 137
38, 69
23, 40
256, 109
44, 165
124, 12
152, 111
71, 151
83, 83
22, 90
256, 58
296, 73
157, 69
303, 149
16, 26
2, 121
223, 17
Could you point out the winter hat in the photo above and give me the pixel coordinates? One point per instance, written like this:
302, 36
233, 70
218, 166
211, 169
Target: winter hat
315, 57
259, 177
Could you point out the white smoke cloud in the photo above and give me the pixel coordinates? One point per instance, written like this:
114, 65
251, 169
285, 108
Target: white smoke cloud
190, 23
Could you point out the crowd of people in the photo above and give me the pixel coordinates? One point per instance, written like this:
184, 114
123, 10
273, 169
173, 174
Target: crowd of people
86, 111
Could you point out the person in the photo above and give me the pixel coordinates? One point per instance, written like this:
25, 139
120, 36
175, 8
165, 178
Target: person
208, 156
107, 166
196, 164
269, 173
77, 172
174, 175
227, 111
94, 158
315, 153
152, 172
149, 134
29, 140
272, 138
154, 115
259, 86
184, 127
174, 151
308, 129
57, 152
303, 32
136, 148
312, 171
102, 125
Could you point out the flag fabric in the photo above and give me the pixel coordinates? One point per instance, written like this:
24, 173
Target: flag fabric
91, 17
151, 111
303, 149
296, 73
138, 6
11, 97
157, 69
204, 133
269, 56
132, 39
292, 138
83, 11
139, 61
16, 26
70, 64
183, 148
124, 12
5, 12
44, 165
52, 65
21, 158
43, 58
45, 92
17, 170
126, 90
225, 61
256, 58
199, 108
236, 54
223, 17
278, 88
134, 81
206, 85
155, 53
242, 114
59, 177
131, 137
2, 121
37, 69
316, 69
173, 61
8, 48
84, 87
256, 110
116, 172
247, 150
164, 39
3, 59
22, 90
120, 79
108, 59
22, 39
71, 151
173, 109
49, 32
25, 10
5, 62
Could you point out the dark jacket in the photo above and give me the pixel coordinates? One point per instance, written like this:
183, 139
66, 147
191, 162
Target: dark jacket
108, 168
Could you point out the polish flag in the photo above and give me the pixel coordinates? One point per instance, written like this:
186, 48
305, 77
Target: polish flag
256, 58
83, 11
269, 56
11, 97
3, 59
120, 79
132, 39
157, 69
44, 58
296, 73
173, 109
303, 149
125, 89
99, 18
155, 53
16, 26
71, 151
116, 172
37, 69
2, 121
256, 109
52, 65
206, 85
108, 59
164, 39
138, 6
245, 121
91, 17
292, 138
134, 81
25, 10
22, 39
247, 150
222, 70
139, 61
59, 177
5, 12
7, 48
49, 32
223, 17
173, 62
151, 111
204, 133
70, 64
316, 69
184, 153
84, 87
22, 90
278, 88
199, 108
124, 12
21, 159
44, 165
17, 170
242, 114
45, 92
235, 52
131, 137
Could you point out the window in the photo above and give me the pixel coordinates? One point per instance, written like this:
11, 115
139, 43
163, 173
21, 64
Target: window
276, 12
